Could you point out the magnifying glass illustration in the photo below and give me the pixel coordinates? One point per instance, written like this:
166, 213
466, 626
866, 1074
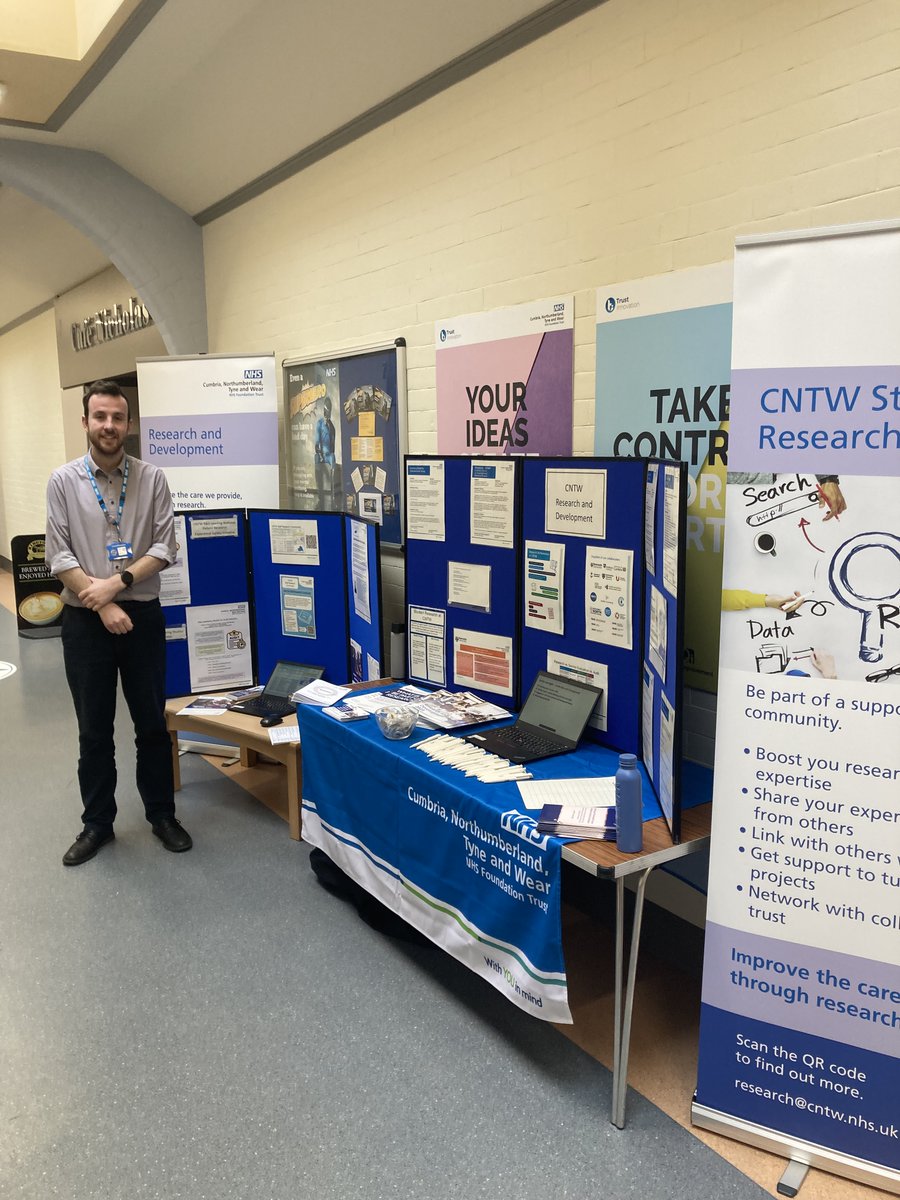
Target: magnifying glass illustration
865, 573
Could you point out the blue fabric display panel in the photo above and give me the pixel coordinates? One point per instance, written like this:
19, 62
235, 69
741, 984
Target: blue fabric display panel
663, 641
466, 582
300, 590
593, 590
363, 570
611, 503
213, 563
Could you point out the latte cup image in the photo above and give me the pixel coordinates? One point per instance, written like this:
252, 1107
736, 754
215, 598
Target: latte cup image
40, 608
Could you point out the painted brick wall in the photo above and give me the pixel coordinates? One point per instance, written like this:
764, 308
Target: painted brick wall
639, 139
31, 430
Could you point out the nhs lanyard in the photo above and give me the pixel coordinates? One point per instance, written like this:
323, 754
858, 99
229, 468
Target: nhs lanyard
115, 521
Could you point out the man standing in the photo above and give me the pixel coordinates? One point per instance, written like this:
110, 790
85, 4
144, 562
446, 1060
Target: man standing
110, 531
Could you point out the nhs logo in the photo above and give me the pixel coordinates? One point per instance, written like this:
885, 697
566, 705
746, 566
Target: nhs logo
523, 827
253, 373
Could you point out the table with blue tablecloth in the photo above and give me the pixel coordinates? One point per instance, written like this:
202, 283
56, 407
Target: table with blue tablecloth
459, 860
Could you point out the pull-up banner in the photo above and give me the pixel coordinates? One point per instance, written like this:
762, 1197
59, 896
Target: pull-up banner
800, 1029
211, 422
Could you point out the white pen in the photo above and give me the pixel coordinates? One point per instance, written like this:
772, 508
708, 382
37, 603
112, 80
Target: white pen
795, 602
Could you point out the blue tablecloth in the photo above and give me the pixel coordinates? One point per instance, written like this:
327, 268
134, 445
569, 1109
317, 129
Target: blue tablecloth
459, 860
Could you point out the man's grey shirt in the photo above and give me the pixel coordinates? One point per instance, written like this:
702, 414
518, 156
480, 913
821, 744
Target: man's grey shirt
78, 532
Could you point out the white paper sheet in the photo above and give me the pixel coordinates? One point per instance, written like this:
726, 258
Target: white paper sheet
607, 596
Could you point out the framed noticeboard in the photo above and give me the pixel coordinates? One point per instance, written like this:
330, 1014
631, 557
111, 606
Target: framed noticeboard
345, 422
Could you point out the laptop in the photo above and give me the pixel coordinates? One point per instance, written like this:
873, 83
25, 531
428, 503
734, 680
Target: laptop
551, 722
275, 699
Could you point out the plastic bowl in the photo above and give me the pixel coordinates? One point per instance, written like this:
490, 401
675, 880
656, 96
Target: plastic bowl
396, 721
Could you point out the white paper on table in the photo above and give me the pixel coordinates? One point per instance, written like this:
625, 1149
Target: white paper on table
284, 733
319, 692
594, 792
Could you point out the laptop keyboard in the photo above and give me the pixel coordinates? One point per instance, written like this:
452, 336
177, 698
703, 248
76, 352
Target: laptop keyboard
262, 706
534, 743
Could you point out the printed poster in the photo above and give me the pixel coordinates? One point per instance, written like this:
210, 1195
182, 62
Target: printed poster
298, 605
663, 370
346, 435
175, 580
607, 596
504, 380
219, 646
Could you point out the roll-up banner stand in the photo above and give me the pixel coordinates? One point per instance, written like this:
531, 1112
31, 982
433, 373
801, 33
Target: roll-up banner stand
799, 1040
211, 422
345, 433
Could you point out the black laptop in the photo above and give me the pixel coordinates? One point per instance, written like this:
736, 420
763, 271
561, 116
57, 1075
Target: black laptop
275, 699
551, 722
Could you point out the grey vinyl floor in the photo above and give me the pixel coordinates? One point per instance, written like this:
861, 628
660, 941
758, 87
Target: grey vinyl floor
215, 1024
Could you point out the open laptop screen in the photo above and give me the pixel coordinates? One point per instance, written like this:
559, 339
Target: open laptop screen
558, 705
286, 677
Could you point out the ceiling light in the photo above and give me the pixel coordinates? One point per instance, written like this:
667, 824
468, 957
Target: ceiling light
3, 90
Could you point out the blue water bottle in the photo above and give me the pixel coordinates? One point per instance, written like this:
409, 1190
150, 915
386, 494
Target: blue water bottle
629, 806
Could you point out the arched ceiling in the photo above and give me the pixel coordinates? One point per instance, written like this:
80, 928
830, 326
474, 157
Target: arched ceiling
208, 100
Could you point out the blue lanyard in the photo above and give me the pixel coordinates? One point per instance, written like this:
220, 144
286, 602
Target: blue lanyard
118, 517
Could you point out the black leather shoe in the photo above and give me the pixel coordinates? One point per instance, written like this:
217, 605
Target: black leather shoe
173, 835
86, 846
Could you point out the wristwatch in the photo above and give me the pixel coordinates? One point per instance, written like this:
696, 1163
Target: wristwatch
127, 578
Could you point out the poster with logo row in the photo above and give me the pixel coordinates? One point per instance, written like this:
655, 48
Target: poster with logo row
663, 369
210, 421
345, 422
799, 1041
504, 380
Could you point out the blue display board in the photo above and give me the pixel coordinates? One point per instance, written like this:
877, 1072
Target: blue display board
468, 580
663, 641
299, 590
212, 564
363, 573
610, 504
592, 588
